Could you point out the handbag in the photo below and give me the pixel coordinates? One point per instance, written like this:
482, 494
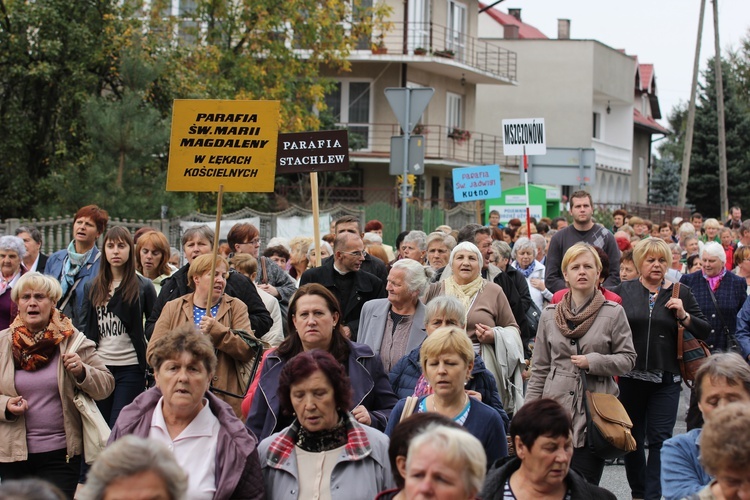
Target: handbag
94, 428
691, 352
533, 315
732, 344
608, 425
409, 406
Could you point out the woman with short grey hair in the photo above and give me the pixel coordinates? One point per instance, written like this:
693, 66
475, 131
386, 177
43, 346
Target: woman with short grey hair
524, 256
455, 453
439, 246
134, 465
393, 326
12, 251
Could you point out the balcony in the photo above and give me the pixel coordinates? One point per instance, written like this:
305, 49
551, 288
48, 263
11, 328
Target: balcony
441, 50
612, 157
443, 145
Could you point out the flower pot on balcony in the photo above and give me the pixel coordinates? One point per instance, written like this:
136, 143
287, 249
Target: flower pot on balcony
420, 51
448, 54
379, 49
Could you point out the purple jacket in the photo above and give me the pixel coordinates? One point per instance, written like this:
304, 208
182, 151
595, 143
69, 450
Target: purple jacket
370, 388
236, 445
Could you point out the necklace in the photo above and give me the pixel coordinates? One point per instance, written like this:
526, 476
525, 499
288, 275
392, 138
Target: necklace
434, 406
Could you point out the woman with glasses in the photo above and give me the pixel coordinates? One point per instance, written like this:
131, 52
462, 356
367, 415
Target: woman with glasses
245, 238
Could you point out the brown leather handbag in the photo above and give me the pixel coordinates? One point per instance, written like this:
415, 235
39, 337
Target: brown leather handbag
691, 352
607, 423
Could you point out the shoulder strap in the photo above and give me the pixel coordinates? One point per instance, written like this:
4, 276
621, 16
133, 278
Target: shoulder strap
409, 406
680, 328
263, 271
716, 306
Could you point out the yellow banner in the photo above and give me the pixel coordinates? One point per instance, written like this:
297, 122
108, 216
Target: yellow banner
225, 142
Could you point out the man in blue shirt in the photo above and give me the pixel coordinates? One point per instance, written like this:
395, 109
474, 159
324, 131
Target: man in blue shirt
724, 378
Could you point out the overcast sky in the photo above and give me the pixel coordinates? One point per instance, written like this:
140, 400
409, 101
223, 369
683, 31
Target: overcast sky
660, 32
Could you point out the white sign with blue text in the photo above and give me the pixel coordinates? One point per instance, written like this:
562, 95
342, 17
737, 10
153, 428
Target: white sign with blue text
476, 183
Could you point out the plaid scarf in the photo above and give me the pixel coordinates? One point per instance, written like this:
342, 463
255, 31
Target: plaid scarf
32, 351
357, 445
575, 326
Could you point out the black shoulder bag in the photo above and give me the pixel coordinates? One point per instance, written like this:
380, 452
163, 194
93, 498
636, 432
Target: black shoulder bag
732, 344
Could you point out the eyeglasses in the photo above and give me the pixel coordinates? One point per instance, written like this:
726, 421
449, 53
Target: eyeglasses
254, 241
356, 254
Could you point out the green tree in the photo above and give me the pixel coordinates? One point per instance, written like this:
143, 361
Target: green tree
703, 182
54, 55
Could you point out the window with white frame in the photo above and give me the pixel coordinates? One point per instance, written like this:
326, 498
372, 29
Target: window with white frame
350, 104
418, 31
456, 32
454, 111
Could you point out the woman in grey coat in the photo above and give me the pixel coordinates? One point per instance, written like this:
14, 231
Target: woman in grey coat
583, 334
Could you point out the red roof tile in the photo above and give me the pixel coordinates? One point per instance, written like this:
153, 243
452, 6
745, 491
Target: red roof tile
648, 123
525, 31
647, 73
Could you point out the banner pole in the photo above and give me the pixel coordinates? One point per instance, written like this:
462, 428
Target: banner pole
215, 250
315, 216
528, 201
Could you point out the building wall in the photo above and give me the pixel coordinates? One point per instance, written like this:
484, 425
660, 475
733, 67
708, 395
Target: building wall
555, 82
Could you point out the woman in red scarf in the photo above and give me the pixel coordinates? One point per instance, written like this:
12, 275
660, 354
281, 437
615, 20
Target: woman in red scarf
40, 428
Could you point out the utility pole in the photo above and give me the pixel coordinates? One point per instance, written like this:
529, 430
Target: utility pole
720, 114
691, 113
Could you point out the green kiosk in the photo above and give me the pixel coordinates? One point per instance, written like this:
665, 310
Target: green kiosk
544, 201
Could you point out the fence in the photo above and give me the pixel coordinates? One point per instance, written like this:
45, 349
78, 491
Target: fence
423, 214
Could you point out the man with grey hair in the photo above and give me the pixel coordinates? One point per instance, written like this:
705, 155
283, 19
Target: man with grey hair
540, 242
34, 260
137, 469
414, 246
343, 276
722, 379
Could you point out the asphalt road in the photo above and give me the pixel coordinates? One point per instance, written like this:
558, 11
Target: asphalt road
614, 478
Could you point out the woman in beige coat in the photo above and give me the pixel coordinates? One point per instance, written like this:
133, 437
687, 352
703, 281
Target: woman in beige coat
582, 320
228, 315
40, 428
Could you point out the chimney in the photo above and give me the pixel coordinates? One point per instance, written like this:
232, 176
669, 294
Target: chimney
563, 29
515, 13
510, 32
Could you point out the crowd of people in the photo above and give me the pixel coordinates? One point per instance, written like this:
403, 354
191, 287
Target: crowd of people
451, 365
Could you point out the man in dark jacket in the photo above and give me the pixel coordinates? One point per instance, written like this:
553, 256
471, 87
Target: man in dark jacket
584, 229
342, 275
238, 286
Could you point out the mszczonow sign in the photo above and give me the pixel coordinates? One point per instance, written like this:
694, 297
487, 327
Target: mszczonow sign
524, 136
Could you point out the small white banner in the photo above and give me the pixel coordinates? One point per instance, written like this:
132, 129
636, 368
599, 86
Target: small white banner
524, 133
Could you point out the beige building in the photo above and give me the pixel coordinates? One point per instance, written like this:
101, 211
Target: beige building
431, 44
585, 92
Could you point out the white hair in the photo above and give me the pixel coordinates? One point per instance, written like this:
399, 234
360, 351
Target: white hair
714, 249
466, 246
416, 276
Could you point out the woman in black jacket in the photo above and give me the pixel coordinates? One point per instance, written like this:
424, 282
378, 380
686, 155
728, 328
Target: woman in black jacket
115, 304
651, 391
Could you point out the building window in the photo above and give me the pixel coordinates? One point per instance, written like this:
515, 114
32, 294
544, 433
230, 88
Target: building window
350, 105
597, 133
454, 116
456, 36
419, 25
